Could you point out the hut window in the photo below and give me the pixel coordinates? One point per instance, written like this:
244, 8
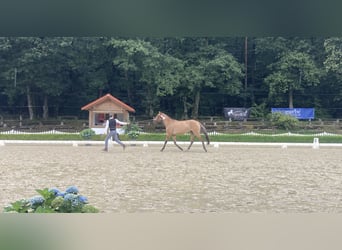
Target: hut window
100, 118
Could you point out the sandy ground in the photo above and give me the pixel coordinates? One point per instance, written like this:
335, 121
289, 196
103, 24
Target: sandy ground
143, 179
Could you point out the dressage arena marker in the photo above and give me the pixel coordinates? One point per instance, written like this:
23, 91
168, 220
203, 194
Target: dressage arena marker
145, 145
74, 144
284, 146
315, 143
2, 143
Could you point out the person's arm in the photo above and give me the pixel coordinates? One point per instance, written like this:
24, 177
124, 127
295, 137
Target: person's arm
120, 122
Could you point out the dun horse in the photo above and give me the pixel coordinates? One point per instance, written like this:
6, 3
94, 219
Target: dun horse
175, 127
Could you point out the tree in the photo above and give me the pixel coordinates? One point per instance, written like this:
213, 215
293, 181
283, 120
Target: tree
35, 69
51, 76
208, 65
18, 70
293, 72
157, 73
333, 49
293, 69
333, 68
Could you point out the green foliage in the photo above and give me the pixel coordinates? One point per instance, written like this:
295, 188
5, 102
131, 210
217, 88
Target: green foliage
20, 206
53, 201
208, 65
132, 131
89, 209
290, 67
48, 198
259, 111
293, 71
282, 121
158, 74
87, 133
58, 75
333, 60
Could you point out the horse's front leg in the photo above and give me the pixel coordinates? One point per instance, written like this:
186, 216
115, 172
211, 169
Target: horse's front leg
166, 139
175, 142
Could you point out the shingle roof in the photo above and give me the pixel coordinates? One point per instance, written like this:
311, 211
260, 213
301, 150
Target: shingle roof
111, 98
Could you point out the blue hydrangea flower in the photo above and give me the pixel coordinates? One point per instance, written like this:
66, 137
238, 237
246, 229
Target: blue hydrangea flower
72, 190
62, 194
70, 197
83, 199
36, 200
56, 191
76, 203
74, 199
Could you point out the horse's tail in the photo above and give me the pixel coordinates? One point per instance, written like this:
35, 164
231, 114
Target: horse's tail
204, 131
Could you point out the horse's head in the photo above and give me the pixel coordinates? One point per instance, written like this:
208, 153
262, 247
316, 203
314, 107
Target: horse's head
159, 117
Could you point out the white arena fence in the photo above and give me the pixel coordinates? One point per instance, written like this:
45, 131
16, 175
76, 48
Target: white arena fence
18, 132
280, 134
214, 133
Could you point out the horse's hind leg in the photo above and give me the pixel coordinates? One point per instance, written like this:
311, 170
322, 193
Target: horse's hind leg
198, 135
174, 141
204, 146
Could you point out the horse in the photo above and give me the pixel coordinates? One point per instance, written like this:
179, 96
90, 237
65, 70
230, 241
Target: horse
175, 127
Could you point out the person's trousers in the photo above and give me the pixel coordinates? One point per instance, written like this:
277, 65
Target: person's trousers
113, 134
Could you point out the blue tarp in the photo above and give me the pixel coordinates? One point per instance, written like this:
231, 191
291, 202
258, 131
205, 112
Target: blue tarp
299, 113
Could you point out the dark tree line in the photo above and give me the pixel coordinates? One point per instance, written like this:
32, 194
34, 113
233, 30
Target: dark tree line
42, 77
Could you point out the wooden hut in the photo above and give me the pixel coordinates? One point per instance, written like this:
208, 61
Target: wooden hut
102, 108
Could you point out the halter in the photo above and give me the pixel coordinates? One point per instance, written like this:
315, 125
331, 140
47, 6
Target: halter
159, 117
